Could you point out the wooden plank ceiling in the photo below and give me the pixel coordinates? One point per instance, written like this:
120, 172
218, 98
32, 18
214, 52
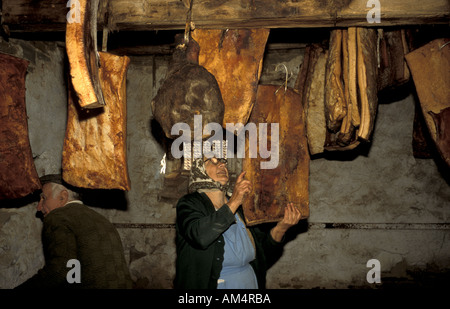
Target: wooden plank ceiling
143, 15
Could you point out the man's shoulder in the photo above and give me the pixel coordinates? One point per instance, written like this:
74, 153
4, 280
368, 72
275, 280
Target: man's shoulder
72, 211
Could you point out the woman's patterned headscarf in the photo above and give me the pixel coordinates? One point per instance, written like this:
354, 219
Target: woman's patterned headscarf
200, 181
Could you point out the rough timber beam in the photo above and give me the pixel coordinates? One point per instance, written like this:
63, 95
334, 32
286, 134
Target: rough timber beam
141, 15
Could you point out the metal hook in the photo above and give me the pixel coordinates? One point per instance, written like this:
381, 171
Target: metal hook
288, 76
444, 45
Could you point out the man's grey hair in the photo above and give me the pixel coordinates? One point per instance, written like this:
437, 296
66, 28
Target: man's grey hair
58, 188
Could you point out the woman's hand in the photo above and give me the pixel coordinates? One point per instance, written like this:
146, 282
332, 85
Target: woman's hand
241, 188
291, 217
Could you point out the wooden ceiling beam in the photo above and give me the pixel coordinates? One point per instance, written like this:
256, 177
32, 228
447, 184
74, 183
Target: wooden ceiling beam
144, 15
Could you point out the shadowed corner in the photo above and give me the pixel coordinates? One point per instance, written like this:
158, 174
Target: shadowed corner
21, 202
105, 198
291, 234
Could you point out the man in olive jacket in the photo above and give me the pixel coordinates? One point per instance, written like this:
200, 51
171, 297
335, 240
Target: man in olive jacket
72, 231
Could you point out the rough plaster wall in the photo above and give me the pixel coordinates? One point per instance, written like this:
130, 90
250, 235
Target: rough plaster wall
20, 245
144, 153
385, 186
322, 258
273, 71
388, 185
151, 254
145, 225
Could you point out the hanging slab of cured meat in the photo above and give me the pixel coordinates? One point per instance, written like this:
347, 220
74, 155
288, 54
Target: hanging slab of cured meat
351, 92
346, 138
442, 122
188, 90
81, 46
312, 92
335, 104
367, 79
18, 176
340, 97
288, 182
429, 67
351, 98
393, 70
94, 153
235, 58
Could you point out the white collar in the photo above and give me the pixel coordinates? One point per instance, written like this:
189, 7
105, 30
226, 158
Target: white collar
73, 201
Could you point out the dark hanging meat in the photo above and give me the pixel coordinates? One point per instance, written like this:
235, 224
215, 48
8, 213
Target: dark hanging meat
429, 67
442, 122
18, 176
288, 181
188, 90
393, 70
